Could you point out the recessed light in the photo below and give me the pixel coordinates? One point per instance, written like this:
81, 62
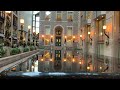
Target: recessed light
97, 19
102, 16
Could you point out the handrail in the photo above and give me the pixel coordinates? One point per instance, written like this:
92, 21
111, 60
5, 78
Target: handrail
10, 59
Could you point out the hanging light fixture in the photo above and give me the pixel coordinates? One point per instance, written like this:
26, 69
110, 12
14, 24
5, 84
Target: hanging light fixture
48, 13
8, 11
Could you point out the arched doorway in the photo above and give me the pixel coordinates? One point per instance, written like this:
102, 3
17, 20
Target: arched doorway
58, 44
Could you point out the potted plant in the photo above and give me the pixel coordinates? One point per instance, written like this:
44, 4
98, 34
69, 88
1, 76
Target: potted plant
15, 51
26, 49
2, 51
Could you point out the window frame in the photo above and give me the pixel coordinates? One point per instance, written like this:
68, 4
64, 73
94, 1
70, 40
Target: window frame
45, 29
68, 15
57, 14
72, 30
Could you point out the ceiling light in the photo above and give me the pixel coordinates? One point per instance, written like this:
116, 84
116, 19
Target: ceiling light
48, 12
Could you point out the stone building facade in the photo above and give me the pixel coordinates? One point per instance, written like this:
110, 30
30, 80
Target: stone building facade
100, 33
59, 36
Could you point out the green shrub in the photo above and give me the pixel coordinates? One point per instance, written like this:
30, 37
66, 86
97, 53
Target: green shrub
31, 48
26, 49
2, 51
15, 51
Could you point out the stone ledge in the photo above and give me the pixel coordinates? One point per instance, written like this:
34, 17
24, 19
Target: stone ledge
10, 59
16, 62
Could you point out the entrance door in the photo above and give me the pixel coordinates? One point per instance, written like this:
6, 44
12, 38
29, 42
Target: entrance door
57, 55
58, 41
57, 64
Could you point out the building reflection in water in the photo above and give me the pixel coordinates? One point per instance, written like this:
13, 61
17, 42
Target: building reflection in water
78, 63
72, 63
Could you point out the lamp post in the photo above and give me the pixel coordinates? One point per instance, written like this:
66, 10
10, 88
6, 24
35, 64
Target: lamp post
29, 33
22, 23
21, 36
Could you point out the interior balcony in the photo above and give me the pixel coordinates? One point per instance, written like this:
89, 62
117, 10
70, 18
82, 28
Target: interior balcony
8, 62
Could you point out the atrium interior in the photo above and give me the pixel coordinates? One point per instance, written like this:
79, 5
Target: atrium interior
41, 43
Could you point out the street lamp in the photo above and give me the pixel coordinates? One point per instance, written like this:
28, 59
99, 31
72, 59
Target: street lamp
73, 60
43, 38
90, 37
51, 38
64, 60
51, 60
22, 23
65, 38
73, 38
42, 59
29, 27
106, 34
81, 39
88, 68
80, 62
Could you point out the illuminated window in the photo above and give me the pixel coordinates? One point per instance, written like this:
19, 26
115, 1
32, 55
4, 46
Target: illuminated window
46, 54
37, 30
37, 24
69, 55
37, 18
88, 15
47, 42
101, 38
59, 16
69, 41
33, 29
33, 23
70, 15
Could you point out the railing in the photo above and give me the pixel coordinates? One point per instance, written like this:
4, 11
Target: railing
11, 59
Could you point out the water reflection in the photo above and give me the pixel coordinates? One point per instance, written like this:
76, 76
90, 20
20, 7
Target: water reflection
80, 63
